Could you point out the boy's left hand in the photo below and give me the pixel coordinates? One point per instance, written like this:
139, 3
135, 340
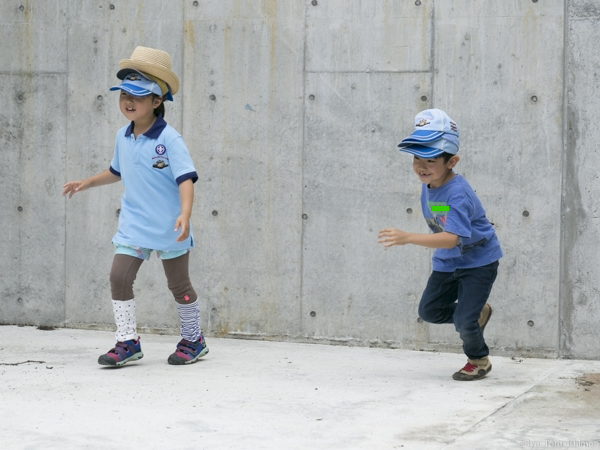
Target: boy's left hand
182, 222
393, 236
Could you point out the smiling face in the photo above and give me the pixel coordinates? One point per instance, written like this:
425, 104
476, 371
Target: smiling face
138, 109
434, 172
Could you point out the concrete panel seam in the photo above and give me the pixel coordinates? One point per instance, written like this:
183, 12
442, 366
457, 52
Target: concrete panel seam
368, 71
303, 227
34, 72
562, 326
432, 53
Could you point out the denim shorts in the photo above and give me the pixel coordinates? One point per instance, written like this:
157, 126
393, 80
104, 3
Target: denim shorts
144, 253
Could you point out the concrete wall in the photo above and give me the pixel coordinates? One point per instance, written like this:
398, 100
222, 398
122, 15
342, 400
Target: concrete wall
292, 111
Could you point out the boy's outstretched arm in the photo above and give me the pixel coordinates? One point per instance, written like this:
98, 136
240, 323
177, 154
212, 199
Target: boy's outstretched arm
393, 236
105, 177
186, 196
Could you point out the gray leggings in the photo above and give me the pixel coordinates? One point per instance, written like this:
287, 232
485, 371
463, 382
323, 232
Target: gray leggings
125, 269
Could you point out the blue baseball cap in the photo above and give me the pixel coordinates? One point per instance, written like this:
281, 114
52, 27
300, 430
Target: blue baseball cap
138, 85
435, 133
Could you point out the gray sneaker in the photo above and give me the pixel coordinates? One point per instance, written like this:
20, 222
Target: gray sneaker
475, 369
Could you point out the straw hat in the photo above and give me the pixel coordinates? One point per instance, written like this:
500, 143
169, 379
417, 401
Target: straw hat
153, 62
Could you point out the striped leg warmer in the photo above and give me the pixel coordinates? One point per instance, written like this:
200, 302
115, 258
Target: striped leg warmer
189, 320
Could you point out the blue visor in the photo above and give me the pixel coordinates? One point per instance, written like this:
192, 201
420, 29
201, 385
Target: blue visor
136, 91
123, 74
138, 86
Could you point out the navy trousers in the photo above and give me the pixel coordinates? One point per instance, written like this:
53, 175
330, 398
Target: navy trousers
458, 297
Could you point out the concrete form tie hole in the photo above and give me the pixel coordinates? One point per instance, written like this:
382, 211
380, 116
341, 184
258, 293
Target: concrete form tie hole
215, 213
530, 323
418, 3
409, 210
525, 213
314, 2
311, 97
313, 314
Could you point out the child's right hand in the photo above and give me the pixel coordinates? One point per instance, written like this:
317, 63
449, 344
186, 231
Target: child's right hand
75, 186
393, 236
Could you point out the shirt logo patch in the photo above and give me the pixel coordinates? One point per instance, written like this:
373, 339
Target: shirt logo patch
160, 149
160, 164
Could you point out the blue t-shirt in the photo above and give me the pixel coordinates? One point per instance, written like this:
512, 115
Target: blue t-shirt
151, 168
457, 210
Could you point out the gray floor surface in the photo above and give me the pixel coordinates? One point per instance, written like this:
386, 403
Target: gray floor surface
278, 395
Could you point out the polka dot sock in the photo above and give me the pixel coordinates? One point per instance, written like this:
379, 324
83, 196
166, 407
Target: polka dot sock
125, 320
189, 321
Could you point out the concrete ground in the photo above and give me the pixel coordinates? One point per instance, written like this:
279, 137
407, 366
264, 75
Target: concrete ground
272, 395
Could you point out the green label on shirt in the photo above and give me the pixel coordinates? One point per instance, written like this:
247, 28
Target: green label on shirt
439, 207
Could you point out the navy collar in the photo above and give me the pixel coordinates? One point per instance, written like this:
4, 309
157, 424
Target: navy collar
154, 132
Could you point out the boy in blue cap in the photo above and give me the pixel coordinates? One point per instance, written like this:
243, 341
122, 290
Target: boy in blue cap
465, 261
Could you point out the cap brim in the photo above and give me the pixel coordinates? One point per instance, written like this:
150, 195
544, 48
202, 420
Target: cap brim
422, 151
443, 145
423, 136
136, 91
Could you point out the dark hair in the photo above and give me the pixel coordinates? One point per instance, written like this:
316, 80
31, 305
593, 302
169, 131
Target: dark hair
444, 155
160, 110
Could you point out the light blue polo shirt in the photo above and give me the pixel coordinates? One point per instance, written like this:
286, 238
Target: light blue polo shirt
477, 241
151, 168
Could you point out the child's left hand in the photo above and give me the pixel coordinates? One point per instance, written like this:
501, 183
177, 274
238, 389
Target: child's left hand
182, 222
393, 236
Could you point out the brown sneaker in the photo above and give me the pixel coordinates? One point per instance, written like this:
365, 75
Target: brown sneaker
485, 315
475, 369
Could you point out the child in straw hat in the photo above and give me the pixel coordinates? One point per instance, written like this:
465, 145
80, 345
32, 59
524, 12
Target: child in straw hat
158, 175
